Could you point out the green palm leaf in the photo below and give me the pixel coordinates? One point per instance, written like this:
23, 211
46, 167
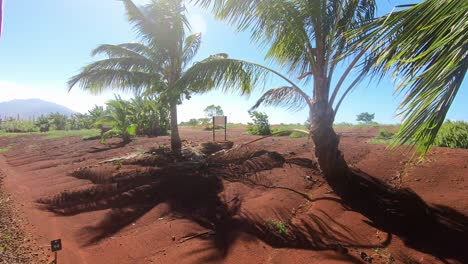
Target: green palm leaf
191, 47
426, 47
227, 74
99, 80
285, 96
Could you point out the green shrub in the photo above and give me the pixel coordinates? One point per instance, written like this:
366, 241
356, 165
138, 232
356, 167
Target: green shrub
296, 134
453, 135
43, 123
277, 227
17, 126
260, 125
58, 121
385, 135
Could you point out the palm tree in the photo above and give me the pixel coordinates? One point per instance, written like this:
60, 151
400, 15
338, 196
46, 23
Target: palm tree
150, 115
426, 45
117, 116
152, 66
306, 37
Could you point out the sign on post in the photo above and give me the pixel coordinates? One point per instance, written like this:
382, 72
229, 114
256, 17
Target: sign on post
55, 246
219, 121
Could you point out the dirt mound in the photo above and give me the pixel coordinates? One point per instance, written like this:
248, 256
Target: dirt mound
208, 148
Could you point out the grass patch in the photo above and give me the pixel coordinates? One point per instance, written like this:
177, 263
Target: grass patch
9, 134
288, 127
72, 133
85, 133
381, 141
346, 125
296, 134
285, 130
277, 227
7, 148
3, 150
384, 137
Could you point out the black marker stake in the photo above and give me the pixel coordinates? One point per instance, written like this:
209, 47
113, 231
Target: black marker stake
56, 246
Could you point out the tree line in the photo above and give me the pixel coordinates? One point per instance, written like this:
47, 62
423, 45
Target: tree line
142, 115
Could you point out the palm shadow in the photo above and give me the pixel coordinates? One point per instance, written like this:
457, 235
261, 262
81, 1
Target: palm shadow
193, 191
107, 147
434, 229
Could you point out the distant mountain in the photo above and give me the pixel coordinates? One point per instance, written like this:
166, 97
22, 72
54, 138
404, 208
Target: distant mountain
29, 108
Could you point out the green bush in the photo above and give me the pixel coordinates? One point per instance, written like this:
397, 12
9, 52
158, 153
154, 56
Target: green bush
453, 135
17, 126
385, 135
260, 125
58, 121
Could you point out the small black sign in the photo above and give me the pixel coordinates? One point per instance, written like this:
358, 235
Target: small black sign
56, 245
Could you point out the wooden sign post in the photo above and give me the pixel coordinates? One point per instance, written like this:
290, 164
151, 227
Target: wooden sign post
56, 246
222, 122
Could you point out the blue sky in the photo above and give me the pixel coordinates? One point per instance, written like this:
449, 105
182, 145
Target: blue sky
46, 42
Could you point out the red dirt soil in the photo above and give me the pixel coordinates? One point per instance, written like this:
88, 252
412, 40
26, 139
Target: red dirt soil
145, 216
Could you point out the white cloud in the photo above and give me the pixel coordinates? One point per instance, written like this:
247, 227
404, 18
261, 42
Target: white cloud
198, 23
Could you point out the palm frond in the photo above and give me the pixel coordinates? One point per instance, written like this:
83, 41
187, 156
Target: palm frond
426, 47
285, 96
345, 16
127, 50
142, 24
280, 25
301, 35
124, 63
191, 47
97, 81
113, 51
160, 24
106, 120
218, 71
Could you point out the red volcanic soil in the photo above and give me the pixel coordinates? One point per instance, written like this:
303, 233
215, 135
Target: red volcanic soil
253, 206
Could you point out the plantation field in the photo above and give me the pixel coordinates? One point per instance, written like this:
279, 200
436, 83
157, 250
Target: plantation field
266, 202
57, 133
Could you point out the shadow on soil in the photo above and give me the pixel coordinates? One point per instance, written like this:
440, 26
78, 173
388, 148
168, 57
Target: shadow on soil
193, 191
434, 229
108, 147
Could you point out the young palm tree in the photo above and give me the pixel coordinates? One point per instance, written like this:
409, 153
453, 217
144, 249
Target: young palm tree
150, 115
152, 66
118, 112
306, 37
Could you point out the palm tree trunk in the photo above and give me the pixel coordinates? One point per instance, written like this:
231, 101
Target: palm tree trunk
328, 154
329, 157
176, 143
